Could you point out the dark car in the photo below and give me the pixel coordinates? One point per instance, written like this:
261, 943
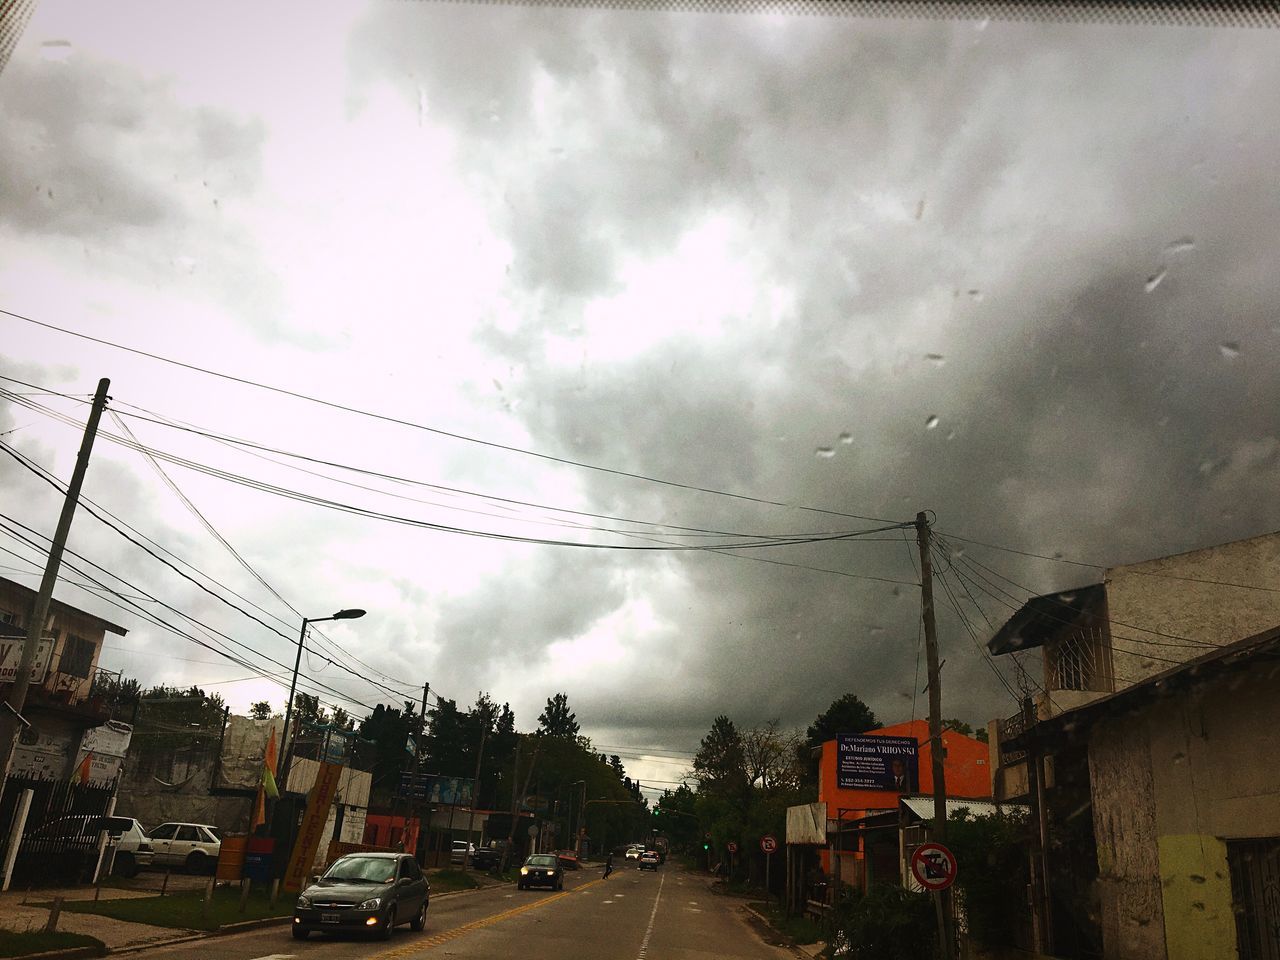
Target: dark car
649, 860
541, 870
486, 858
364, 892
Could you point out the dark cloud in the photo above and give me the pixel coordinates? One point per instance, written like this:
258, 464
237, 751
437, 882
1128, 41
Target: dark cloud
923, 189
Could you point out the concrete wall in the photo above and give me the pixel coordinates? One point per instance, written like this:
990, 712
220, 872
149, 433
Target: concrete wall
1144, 595
1213, 779
1124, 825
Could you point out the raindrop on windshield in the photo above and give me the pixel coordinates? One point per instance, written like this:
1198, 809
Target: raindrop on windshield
1181, 245
824, 453
55, 51
1155, 279
1229, 349
975, 295
936, 359
931, 422
846, 438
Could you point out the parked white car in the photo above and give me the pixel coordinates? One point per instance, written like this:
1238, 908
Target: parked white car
133, 848
194, 846
461, 850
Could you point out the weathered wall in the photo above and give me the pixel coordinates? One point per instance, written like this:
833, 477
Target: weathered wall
1212, 780
244, 744
1144, 595
1124, 824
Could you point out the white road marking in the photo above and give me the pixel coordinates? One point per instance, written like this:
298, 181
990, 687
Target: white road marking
277, 956
608, 901
644, 944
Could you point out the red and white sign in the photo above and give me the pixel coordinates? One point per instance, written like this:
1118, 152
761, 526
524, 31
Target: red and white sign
933, 866
768, 843
733, 847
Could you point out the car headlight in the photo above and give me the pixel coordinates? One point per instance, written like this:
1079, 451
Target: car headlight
304, 903
524, 871
373, 903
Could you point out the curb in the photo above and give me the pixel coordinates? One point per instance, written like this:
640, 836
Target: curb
800, 950
67, 953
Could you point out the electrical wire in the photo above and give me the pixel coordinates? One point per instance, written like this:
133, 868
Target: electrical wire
983, 654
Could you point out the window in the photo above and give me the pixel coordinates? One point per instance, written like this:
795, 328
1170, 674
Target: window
1255, 880
164, 832
77, 657
7, 617
189, 833
211, 834
409, 869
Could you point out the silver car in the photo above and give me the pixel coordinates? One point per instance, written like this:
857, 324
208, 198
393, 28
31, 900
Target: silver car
193, 846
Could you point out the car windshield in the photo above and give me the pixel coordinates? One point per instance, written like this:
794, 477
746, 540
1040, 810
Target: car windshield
541, 861
368, 869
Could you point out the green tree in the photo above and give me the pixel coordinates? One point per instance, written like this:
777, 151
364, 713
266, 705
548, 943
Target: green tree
615, 763
260, 710
389, 729
308, 711
848, 714
557, 720
720, 765
959, 726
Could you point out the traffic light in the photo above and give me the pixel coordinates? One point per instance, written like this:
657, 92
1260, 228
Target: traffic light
706, 846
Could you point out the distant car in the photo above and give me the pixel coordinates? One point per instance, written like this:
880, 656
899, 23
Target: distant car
364, 893
80, 834
569, 859
193, 846
541, 870
460, 850
649, 860
633, 853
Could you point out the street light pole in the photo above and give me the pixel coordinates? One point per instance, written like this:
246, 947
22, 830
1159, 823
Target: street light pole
286, 740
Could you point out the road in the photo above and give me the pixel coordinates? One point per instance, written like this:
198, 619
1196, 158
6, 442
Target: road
670, 915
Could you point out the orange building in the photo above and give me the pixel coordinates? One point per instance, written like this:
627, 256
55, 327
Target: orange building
967, 775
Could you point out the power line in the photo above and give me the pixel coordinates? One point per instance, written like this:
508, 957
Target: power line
983, 655
1100, 566
435, 430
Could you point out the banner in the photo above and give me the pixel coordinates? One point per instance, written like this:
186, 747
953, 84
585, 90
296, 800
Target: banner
305, 847
434, 789
11, 657
877, 763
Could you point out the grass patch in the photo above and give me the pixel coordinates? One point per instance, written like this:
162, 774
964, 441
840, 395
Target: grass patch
184, 910
448, 880
799, 929
15, 944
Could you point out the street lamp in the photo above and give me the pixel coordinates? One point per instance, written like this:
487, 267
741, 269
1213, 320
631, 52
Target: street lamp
352, 614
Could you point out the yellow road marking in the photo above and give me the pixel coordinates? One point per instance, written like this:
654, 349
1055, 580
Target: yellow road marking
426, 943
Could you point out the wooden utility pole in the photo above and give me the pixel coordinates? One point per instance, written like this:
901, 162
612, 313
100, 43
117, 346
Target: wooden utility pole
417, 767
937, 752
11, 718
475, 791
515, 801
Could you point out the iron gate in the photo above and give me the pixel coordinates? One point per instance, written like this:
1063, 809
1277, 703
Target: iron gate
1255, 896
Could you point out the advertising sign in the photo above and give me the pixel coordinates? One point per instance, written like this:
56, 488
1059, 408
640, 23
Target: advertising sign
319, 800
877, 763
11, 656
447, 791
933, 866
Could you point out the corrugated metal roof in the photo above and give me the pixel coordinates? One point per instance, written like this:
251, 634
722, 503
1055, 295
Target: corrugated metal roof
922, 807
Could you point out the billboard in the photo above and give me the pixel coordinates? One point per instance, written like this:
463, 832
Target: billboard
11, 657
434, 789
877, 763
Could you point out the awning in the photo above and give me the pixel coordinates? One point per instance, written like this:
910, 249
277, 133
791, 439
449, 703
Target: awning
922, 807
1043, 617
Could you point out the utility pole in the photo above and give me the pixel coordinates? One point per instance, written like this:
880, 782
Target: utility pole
11, 718
417, 764
475, 790
515, 802
937, 752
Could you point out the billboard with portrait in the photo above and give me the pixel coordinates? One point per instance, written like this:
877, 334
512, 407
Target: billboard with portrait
877, 763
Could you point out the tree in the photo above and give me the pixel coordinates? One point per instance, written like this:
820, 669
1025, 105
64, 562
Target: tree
771, 757
307, 710
615, 762
389, 729
848, 714
342, 720
557, 720
720, 765
959, 726
260, 710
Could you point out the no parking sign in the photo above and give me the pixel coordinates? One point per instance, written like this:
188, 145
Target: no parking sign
933, 866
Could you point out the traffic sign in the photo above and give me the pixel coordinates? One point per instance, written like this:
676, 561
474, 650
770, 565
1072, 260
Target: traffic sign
707, 836
933, 866
768, 843
733, 847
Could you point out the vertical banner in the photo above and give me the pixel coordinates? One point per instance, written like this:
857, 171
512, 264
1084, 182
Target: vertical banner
319, 800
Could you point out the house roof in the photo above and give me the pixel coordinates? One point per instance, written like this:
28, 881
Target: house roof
1071, 724
57, 606
1042, 617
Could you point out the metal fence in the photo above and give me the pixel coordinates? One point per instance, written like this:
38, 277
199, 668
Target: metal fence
57, 846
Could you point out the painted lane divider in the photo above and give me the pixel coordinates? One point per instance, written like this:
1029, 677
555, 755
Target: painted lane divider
644, 944
425, 943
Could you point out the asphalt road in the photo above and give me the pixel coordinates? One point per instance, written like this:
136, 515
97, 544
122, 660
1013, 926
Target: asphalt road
670, 915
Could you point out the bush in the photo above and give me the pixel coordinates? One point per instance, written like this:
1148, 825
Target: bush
991, 879
888, 923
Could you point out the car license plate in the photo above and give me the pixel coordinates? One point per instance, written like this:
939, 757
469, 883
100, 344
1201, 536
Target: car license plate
329, 918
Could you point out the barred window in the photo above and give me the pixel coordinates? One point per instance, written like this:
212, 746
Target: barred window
77, 657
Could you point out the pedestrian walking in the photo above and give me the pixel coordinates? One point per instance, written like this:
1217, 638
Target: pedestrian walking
608, 865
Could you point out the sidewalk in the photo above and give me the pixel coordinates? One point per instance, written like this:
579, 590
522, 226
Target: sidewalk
23, 910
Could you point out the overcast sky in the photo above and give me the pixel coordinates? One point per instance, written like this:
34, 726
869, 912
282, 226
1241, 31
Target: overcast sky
1021, 275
